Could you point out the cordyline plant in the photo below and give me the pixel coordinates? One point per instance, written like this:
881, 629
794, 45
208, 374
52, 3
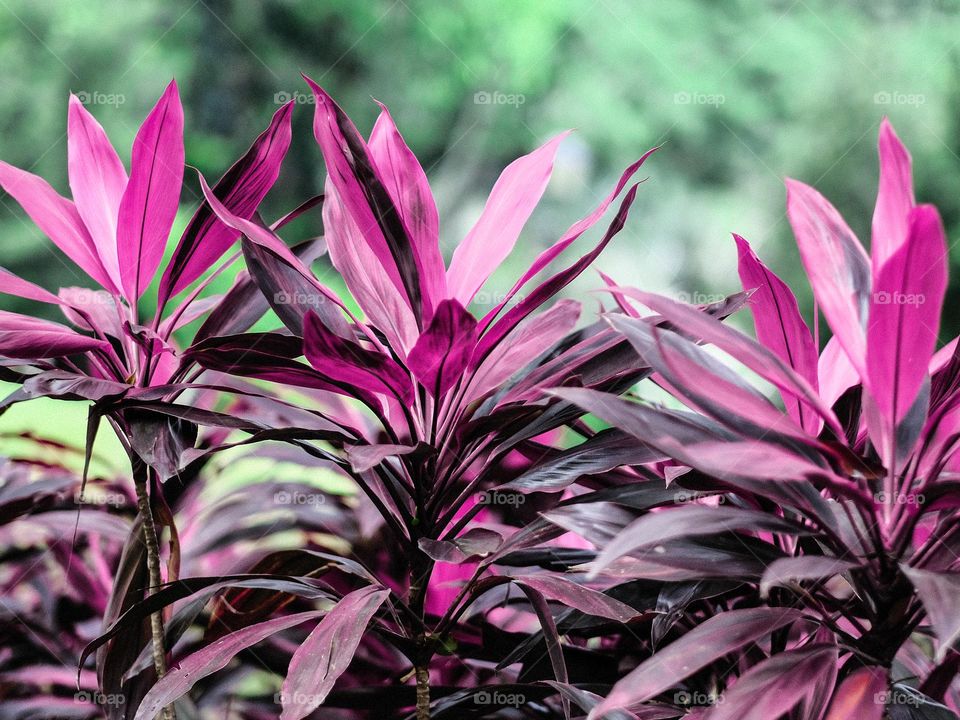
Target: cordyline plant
116, 230
846, 497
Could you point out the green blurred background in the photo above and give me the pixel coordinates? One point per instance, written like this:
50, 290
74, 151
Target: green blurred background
741, 93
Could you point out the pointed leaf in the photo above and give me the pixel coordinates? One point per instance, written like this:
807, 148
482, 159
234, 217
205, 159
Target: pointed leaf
780, 327
512, 200
894, 198
97, 181
444, 349
241, 189
717, 636
30, 338
836, 264
149, 203
938, 592
327, 651
857, 696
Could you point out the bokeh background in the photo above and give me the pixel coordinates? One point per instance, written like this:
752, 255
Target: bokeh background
741, 94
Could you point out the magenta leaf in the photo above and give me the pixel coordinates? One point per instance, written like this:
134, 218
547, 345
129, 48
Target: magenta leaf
905, 319
211, 658
440, 356
774, 686
794, 569
407, 184
711, 640
29, 338
574, 595
938, 592
241, 189
894, 198
325, 654
97, 181
357, 181
859, 695
57, 218
346, 362
511, 202
780, 327
149, 203
836, 264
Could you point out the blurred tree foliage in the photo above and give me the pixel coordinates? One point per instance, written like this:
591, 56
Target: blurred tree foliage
742, 92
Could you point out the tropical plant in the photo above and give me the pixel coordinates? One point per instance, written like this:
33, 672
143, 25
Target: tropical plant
846, 494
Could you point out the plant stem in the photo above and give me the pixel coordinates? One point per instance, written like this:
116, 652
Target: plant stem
152, 543
423, 693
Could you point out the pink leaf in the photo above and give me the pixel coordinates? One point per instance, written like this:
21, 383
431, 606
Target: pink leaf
57, 218
444, 349
30, 338
894, 198
149, 204
241, 189
407, 184
327, 651
836, 264
860, 696
905, 318
780, 327
835, 372
512, 200
97, 181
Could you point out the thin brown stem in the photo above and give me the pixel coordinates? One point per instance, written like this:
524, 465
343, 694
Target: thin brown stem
152, 543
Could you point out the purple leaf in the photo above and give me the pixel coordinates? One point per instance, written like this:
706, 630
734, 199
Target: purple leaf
904, 321
756, 357
97, 181
856, 697
327, 651
794, 569
11, 284
780, 327
551, 637
687, 521
512, 200
444, 348
711, 640
938, 592
57, 218
149, 203
578, 597
365, 457
772, 687
407, 184
835, 372
836, 264
357, 182
209, 659
30, 338
241, 189
894, 198
347, 362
